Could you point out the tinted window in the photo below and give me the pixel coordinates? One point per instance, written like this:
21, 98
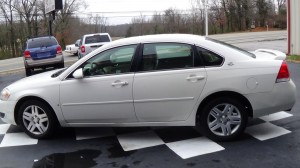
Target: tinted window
166, 56
210, 58
113, 61
41, 42
96, 39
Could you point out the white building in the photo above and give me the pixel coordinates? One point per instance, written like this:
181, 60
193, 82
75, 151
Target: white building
293, 17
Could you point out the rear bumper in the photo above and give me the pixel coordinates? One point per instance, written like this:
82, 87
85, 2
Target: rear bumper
71, 51
7, 111
30, 63
281, 98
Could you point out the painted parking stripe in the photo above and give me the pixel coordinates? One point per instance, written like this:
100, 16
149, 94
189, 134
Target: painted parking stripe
276, 116
139, 140
4, 128
17, 139
266, 131
194, 147
91, 133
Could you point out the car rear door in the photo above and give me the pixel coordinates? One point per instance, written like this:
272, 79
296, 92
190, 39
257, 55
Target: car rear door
168, 82
104, 95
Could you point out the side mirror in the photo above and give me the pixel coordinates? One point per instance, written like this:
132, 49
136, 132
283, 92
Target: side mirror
76, 45
78, 74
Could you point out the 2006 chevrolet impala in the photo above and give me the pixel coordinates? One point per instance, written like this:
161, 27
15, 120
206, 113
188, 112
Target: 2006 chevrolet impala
157, 80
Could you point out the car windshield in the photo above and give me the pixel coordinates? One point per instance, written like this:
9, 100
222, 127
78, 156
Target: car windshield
97, 39
41, 42
232, 47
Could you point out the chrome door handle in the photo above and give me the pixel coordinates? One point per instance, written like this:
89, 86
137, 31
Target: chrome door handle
195, 78
120, 83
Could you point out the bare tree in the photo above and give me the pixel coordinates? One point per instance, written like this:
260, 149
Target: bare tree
64, 16
28, 10
7, 10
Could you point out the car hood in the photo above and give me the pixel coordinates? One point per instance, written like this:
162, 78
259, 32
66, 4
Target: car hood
267, 54
35, 81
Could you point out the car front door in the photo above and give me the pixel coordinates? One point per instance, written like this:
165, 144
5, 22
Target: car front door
104, 95
168, 83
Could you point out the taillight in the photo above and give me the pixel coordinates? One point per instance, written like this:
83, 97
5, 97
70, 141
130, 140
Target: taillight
27, 54
283, 74
58, 50
82, 49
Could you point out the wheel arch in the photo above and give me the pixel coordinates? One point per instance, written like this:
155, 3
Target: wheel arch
24, 99
230, 94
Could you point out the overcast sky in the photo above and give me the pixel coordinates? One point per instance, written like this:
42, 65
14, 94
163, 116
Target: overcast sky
133, 5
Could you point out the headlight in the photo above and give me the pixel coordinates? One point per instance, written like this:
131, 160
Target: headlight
5, 94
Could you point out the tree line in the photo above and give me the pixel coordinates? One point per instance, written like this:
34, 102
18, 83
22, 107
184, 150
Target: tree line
21, 19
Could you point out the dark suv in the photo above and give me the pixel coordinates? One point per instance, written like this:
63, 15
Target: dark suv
42, 52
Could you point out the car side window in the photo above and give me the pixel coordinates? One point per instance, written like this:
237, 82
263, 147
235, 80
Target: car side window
161, 56
113, 61
210, 58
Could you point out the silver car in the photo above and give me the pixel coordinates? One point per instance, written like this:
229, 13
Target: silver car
159, 80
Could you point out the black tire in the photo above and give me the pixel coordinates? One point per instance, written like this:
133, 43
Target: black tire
36, 119
28, 72
60, 65
223, 122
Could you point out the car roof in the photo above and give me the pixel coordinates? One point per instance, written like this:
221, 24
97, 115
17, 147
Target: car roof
87, 35
41, 37
180, 38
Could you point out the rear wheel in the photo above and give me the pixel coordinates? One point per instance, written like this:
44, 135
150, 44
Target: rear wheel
28, 71
60, 65
223, 119
37, 119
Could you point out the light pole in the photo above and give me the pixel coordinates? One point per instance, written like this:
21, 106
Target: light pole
205, 2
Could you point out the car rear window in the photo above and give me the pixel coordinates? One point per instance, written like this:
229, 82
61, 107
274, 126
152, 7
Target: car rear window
232, 47
41, 42
97, 39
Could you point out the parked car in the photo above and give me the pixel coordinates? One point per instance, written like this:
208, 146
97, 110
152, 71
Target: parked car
90, 42
73, 48
156, 80
42, 52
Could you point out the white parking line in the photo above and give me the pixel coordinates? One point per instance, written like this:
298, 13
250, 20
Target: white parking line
17, 139
276, 116
194, 147
4, 128
266, 131
139, 140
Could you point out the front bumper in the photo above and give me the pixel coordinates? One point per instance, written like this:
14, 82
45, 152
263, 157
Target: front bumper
30, 63
7, 111
281, 98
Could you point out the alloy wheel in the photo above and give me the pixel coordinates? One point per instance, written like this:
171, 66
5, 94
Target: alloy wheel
224, 119
35, 120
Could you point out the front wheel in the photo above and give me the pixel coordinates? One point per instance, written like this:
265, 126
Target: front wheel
223, 119
37, 119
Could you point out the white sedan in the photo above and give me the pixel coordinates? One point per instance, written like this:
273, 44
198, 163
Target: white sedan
73, 48
156, 80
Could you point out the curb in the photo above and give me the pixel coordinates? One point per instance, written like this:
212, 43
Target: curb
16, 70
